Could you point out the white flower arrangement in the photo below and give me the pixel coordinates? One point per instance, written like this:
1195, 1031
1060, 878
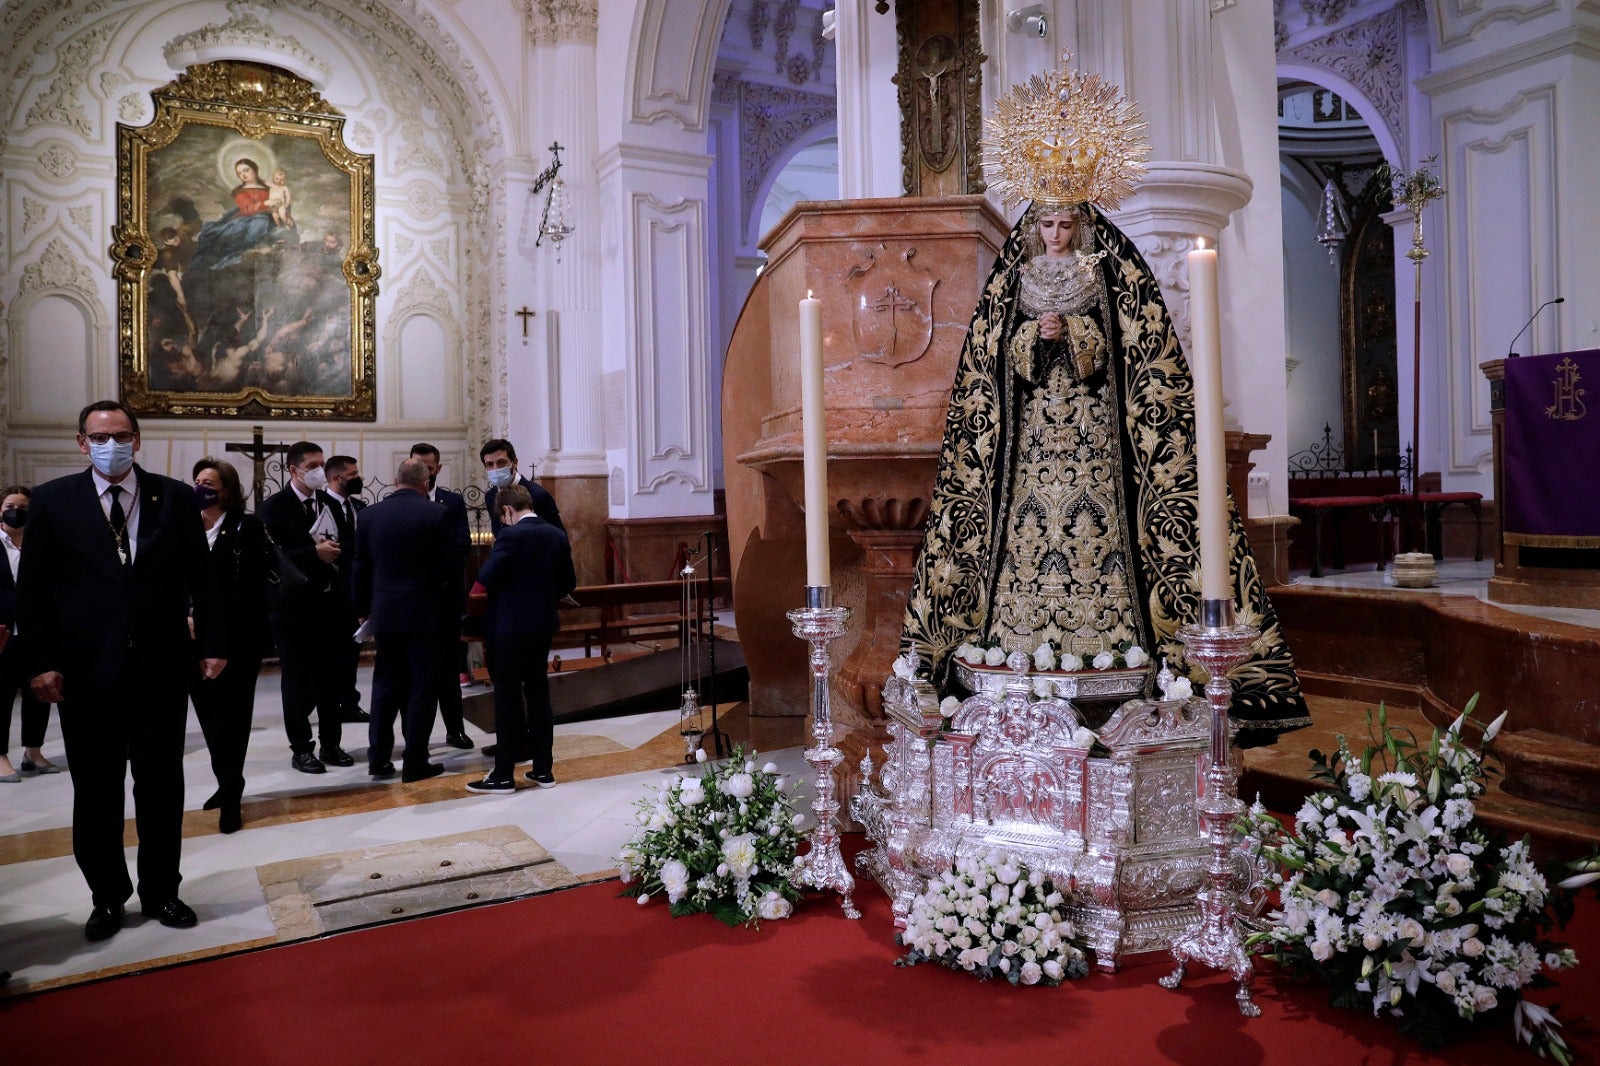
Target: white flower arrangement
1047, 658
1393, 895
722, 843
994, 918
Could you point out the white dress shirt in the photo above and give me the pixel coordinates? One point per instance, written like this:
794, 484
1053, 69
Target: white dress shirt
130, 506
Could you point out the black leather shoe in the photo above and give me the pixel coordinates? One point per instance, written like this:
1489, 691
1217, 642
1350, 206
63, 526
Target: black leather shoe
231, 819
382, 769
308, 763
337, 756
174, 914
104, 923
433, 769
354, 715
459, 740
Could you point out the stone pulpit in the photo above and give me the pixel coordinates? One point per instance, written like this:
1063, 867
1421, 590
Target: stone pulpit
898, 279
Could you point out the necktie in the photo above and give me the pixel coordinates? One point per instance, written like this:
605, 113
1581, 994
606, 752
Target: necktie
311, 509
119, 523
350, 513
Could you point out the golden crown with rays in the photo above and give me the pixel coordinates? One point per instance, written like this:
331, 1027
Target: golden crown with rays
1064, 138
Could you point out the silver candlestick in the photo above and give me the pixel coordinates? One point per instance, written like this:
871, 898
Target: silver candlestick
1218, 645
823, 867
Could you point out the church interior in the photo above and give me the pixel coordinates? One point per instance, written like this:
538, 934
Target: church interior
592, 228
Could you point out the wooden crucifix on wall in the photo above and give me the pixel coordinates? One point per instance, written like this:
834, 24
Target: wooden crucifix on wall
258, 451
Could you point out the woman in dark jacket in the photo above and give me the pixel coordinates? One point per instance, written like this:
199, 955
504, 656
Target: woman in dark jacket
13, 675
240, 563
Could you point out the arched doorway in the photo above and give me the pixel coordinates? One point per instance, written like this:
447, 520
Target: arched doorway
1339, 275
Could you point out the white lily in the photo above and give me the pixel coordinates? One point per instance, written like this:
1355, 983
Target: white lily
1494, 727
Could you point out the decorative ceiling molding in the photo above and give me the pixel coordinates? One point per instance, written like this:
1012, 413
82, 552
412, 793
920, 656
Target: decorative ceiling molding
562, 21
247, 35
1370, 56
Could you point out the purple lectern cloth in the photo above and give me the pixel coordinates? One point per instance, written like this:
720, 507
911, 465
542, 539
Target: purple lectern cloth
1551, 448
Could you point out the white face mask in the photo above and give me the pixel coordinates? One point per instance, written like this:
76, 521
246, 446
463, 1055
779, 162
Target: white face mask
112, 459
501, 477
315, 479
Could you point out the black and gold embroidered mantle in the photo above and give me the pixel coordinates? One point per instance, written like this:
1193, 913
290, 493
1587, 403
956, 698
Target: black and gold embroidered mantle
1051, 478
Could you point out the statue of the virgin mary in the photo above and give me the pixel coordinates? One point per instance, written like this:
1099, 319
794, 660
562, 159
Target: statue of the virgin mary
1065, 508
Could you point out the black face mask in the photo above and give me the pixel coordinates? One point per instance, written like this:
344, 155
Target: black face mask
352, 486
206, 496
433, 479
15, 517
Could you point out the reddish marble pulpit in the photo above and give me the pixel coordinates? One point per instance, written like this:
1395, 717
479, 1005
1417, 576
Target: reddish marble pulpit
898, 280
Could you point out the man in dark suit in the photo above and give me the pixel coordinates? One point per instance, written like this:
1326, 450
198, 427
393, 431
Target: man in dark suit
342, 498
407, 581
499, 458
114, 561
307, 622
451, 650
526, 575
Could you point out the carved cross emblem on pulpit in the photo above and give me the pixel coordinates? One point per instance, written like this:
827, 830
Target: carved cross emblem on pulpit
1569, 405
893, 299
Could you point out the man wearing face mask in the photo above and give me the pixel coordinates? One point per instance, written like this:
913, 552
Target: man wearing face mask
342, 498
451, 651
500, 464
114, 560
307, 622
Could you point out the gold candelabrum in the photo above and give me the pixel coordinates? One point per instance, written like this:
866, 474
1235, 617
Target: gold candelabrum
823, 867
1218, 644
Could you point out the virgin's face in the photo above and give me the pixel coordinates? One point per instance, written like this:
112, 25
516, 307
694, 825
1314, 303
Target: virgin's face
1057, 232
247, 174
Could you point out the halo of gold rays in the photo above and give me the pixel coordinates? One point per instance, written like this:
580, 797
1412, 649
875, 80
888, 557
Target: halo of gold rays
1064, 138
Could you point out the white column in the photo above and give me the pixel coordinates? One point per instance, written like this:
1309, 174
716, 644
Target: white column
868, 105
655, 333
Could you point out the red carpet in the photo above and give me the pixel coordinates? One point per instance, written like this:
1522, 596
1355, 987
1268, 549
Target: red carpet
583, 976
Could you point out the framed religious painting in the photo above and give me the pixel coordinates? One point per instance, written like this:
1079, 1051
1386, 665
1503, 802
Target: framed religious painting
244, 253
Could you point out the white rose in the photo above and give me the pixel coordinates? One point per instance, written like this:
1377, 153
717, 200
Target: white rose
1328, 898
1484, 999
904, 669
1031, 973
1446, 982
1472, 947
722, 869
1052, 969
994, 657
1069, 663
1411, 931
769, 768
675, 879
740, 851
1180, 689
798, 820
1321, 950
773, 906
1136, 656
691, 795
1083, 737
948, 706
975, 655
1044, 657
1372, 941
1104, 660
699, 755
1043, 687
1458, 864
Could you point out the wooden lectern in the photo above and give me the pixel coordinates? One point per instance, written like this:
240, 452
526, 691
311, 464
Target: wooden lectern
1532, 569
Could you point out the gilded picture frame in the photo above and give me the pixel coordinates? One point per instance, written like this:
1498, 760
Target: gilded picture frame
244, 253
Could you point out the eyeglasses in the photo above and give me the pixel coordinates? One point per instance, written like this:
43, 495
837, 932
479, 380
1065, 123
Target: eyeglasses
124, 437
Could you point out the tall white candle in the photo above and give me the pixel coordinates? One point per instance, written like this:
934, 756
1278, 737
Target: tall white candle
1205, 363
814, 433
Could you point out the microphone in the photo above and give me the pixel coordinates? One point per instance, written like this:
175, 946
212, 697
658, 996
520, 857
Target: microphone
1514, 355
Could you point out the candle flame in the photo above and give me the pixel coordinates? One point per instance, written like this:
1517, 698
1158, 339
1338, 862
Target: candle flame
1200, 243
810, 295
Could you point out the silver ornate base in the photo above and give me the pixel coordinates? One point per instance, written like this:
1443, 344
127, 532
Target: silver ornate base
1119, 832
823, 867
1214, 940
